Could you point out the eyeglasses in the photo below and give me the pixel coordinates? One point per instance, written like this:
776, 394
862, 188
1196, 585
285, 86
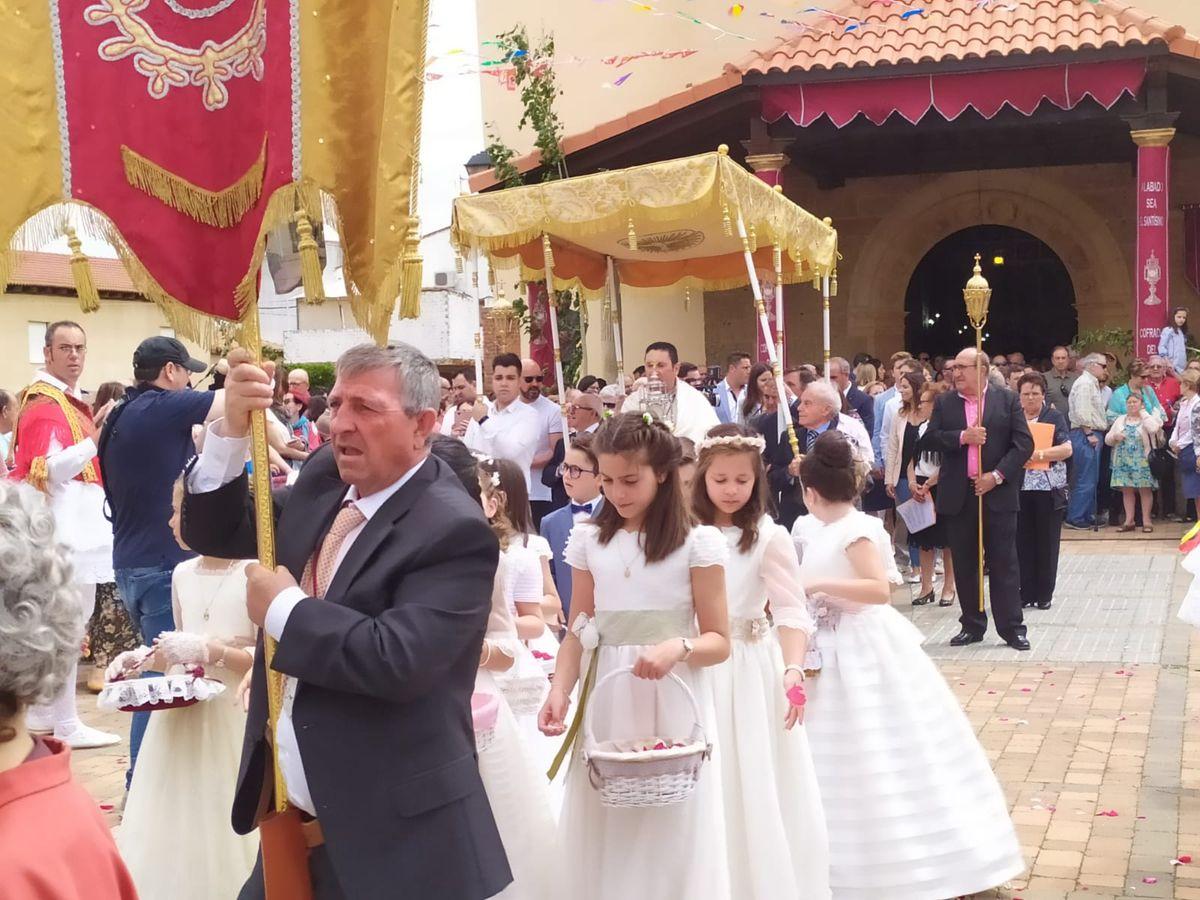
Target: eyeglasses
530, 379
77, 349
610, 405
573, 471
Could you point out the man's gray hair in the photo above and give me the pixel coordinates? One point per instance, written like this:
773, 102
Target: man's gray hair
839, 365
418, 378
826, 393
41, 623
1094, 359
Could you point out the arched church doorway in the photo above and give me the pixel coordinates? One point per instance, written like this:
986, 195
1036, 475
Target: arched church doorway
1033, 300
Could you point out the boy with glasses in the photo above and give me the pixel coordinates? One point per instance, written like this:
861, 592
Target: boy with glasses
580, 472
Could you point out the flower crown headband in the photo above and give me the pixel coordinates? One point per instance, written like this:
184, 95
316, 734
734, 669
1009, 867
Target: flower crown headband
733, 441
494, 475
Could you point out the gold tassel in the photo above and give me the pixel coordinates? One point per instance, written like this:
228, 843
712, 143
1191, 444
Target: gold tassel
687, 297
410, 279
726, 222
81, 272
833, 284
547, 255
633, 242
816, 282
221, 209
310, 260
458, 262
753, 240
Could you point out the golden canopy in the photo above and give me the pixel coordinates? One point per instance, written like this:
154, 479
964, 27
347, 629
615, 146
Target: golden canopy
663, 223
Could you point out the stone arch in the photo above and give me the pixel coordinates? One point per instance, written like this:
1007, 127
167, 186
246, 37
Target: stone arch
1072, 228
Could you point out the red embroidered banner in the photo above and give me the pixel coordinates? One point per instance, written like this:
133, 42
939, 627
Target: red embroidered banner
174, 103
1191, 245
949, 95
1152, 297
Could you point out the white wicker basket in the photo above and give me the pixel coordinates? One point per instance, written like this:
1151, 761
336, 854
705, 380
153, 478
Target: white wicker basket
628, 776
525, 693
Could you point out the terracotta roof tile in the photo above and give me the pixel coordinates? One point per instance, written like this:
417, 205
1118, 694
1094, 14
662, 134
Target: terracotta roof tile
54, 270
874, 32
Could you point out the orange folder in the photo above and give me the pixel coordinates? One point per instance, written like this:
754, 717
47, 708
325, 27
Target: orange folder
1043, 439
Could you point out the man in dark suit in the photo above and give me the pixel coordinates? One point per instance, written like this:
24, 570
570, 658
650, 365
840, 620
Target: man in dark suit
583, 417
379, 608
985, 462
862, 405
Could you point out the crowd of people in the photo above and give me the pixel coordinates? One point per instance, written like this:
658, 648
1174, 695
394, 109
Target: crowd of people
639, 643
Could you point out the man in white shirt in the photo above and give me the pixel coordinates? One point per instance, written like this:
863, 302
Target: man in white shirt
732, 390
378, 609
550, 433
512, 429
684, 408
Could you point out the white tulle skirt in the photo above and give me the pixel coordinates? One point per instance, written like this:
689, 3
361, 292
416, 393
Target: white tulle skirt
176, 837
913, 809
667, 851
774, 823
517, 791
1190, 610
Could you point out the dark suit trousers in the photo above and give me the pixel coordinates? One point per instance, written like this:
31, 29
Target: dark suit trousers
1000, 546
1039, 533
320, 869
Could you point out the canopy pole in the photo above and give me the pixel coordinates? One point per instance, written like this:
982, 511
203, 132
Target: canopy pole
765, 325
778, 260
264, 519
477, 294
614, 291
825, 319
548, 262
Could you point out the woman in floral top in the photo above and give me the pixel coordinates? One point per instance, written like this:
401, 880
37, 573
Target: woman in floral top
1043, 498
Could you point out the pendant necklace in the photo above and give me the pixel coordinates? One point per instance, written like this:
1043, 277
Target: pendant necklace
215, 594
637, 546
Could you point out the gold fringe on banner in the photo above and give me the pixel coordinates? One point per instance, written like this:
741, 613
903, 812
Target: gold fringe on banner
221, 209
410, 276
310, 259
81, 274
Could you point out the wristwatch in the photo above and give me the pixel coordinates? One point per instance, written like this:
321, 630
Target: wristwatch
688, 649
998, 476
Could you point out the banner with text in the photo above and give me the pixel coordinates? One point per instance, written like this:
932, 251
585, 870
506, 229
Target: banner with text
1152, 296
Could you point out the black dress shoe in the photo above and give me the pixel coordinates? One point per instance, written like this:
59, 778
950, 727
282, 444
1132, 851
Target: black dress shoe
965, 637
1043, 604
1017, 643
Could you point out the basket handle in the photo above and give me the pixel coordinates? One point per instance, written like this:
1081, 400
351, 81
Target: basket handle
590, 737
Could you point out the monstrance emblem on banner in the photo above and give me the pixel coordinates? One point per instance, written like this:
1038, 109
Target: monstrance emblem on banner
1153, 274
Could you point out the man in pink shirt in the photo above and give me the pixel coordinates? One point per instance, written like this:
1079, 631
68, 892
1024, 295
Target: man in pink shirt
981, 464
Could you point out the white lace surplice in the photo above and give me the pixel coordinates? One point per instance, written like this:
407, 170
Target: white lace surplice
671, 851
775, 826
913, 809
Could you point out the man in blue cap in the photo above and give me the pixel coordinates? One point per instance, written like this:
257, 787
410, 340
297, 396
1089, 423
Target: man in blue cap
145, 445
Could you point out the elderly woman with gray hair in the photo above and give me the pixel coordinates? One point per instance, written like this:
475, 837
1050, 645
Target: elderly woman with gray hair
52, 836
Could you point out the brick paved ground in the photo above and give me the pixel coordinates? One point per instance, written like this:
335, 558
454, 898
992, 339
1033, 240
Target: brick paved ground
1095, 734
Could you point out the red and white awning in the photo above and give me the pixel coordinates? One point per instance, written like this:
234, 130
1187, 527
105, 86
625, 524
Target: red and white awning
950, 94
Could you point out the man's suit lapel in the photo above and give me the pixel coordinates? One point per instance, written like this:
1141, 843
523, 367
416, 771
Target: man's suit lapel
379, 527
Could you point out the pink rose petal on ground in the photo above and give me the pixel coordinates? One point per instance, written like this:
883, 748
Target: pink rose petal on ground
1185, 859
107, 807
1111, 813
1026, 690
1149, 879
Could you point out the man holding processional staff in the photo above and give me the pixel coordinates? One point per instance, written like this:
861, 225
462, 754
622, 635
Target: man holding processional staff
984, 443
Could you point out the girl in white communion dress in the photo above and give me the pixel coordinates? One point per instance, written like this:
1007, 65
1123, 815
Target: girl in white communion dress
775, 826
648, 593
913, 809
515, 782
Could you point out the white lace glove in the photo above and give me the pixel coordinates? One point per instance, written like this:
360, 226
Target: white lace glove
126, 663
182, 648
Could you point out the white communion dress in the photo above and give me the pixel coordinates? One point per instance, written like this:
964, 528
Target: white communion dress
617, 853
516, 786
775, 826
175, 836
913, 809
1189, 610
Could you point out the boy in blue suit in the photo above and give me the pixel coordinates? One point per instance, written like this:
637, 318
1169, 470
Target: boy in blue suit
581, 479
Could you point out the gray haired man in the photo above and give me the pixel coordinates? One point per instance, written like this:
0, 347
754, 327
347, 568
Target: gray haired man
1088, 426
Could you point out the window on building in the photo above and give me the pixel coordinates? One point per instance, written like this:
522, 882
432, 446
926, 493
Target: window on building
37, 340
